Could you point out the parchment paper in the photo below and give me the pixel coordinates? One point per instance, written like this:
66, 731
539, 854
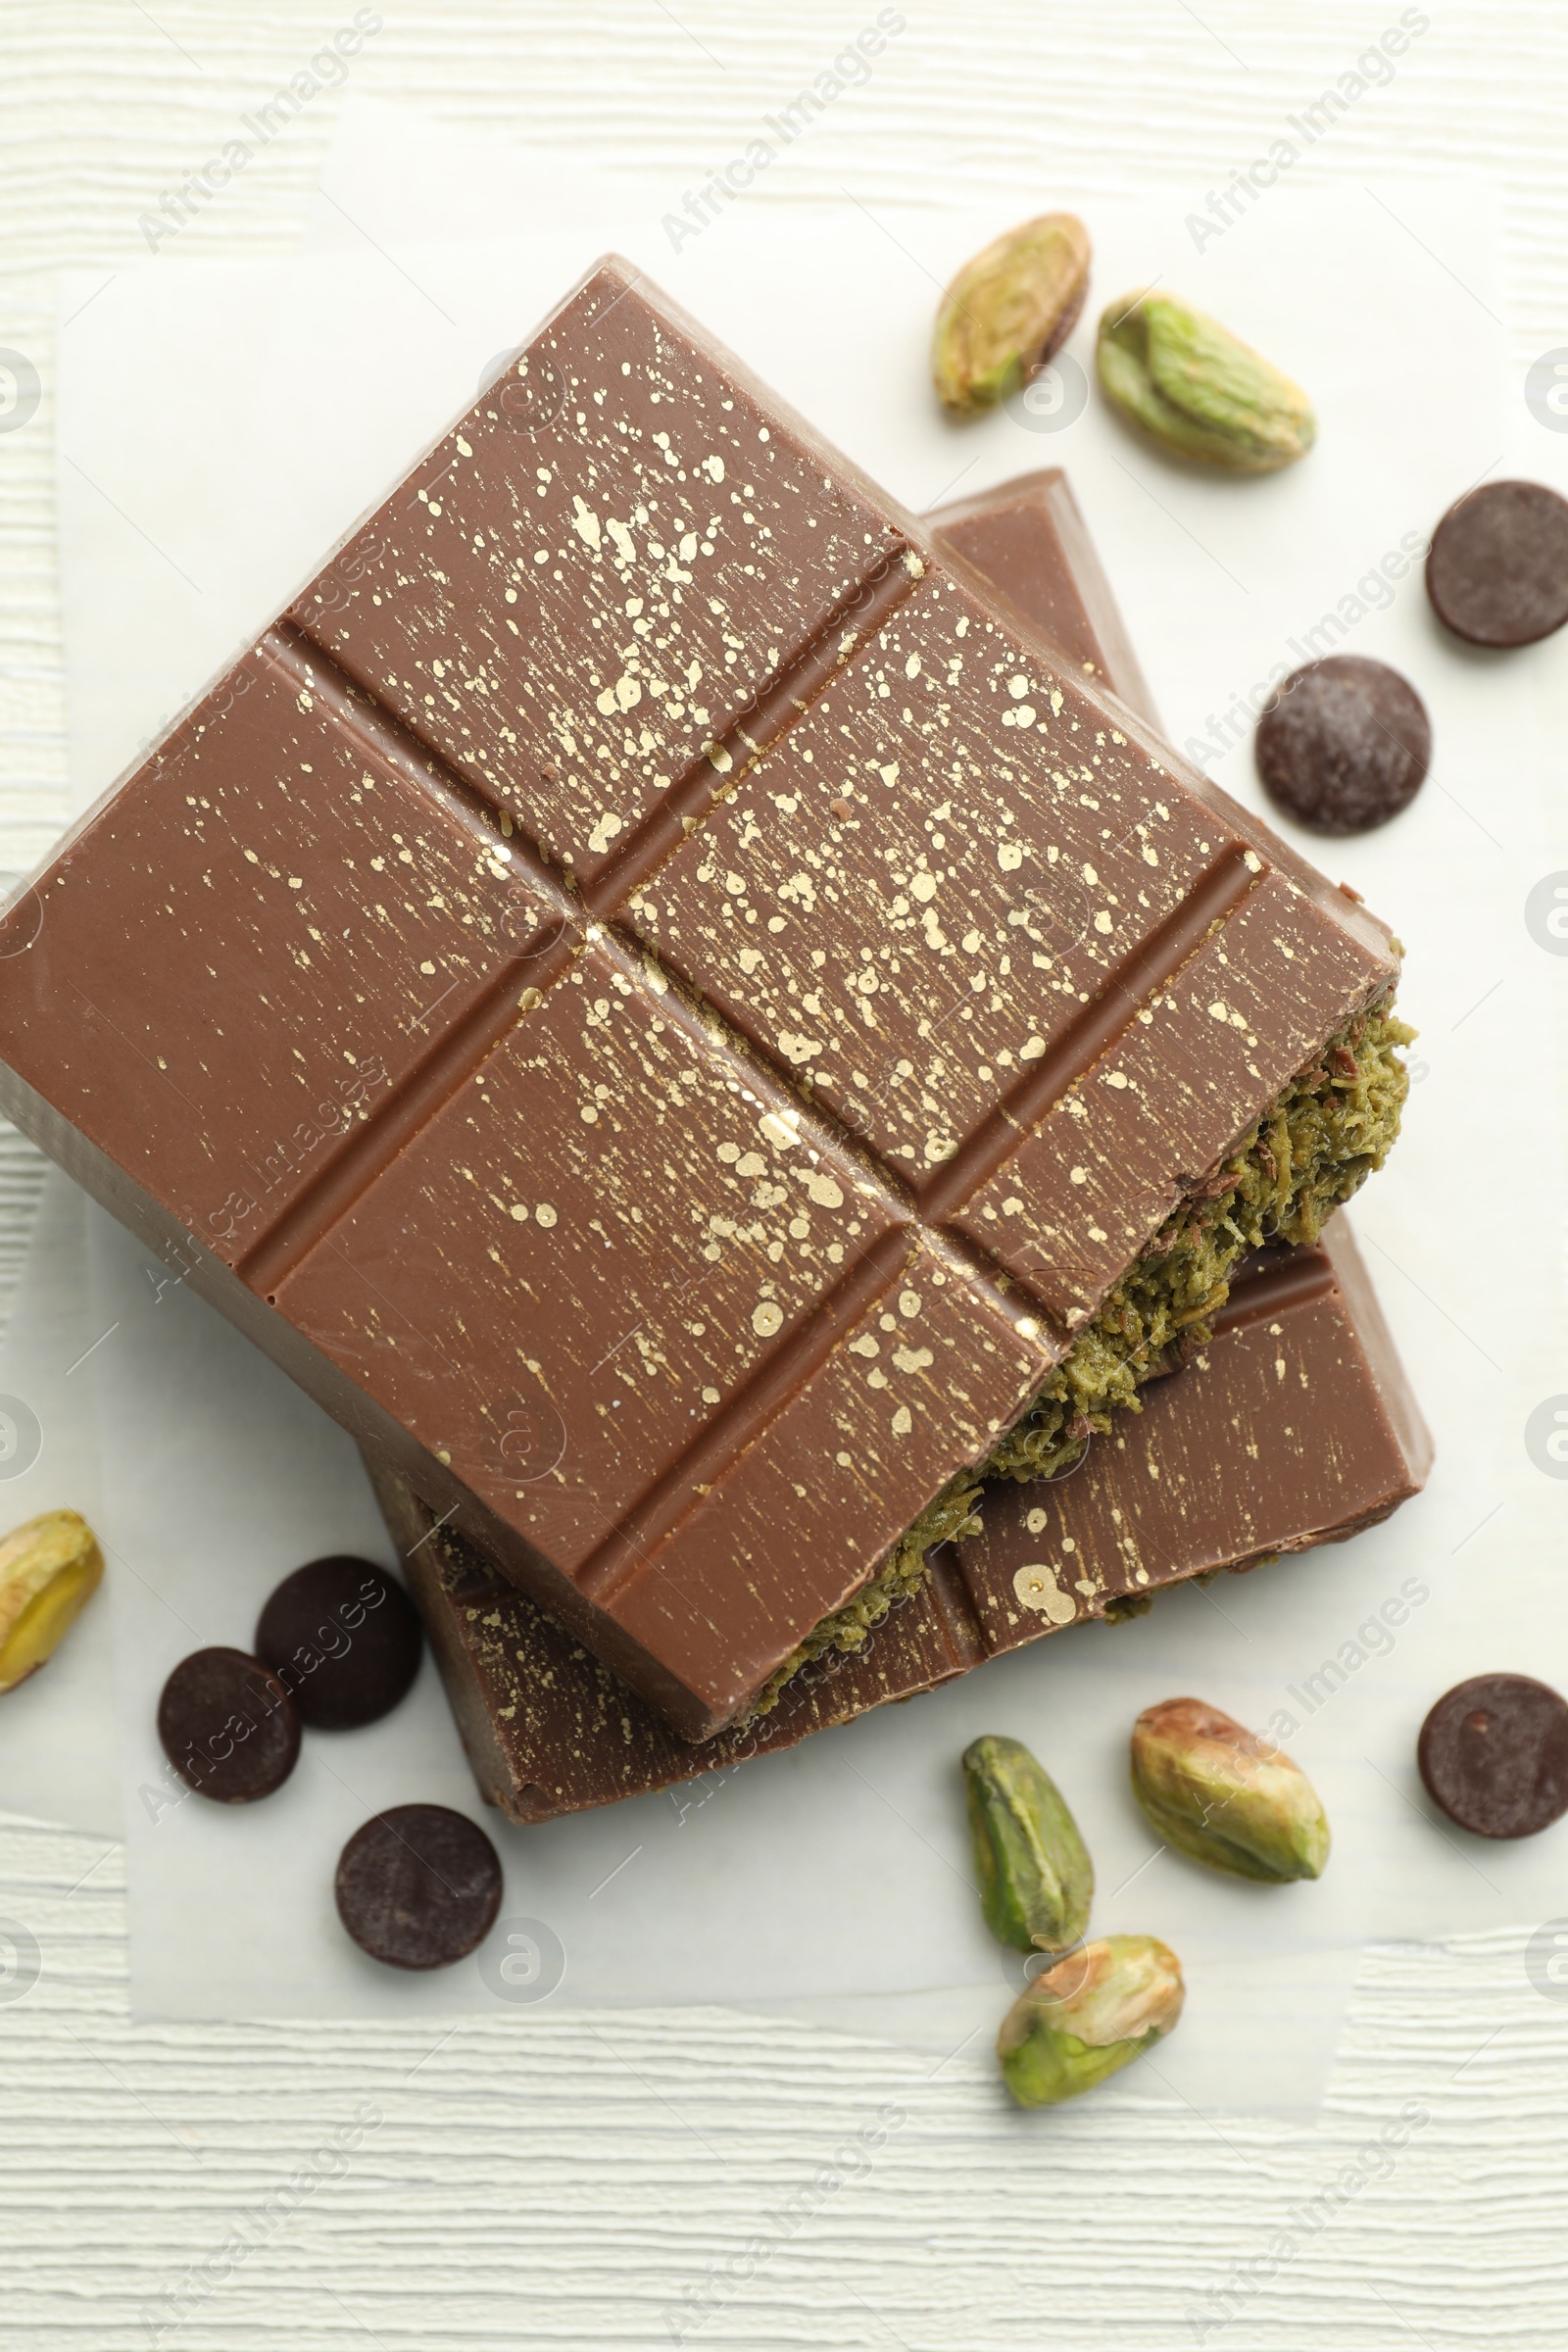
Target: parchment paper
58, 1757
190, 394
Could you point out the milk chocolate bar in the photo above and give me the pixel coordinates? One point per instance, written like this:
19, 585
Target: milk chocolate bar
679, 1017
1295, 1427
548, 1730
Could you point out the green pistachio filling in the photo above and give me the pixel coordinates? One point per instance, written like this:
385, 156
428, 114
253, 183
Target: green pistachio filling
1334, 1124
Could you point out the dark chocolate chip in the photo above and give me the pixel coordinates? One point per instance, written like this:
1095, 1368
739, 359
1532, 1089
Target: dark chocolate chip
1497, 566
229, 1727
344, 1640
1345, 744
1494, 1755
418, 1887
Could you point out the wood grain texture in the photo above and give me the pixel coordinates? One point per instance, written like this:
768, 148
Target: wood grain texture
557, 2181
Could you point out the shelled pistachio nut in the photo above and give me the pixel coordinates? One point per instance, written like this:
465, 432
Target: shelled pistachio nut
1009, 310
1216, 1791
1199, 390
49, 1569
1036, 1877
1088, 2017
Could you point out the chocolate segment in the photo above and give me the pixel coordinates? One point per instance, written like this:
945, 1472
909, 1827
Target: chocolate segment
1295, 1427
482, 996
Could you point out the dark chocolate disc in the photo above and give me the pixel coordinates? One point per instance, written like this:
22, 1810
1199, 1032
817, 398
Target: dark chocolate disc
1494, 1755
344, 1640
1345, 744
1497, 566
418, 1887
229, 1727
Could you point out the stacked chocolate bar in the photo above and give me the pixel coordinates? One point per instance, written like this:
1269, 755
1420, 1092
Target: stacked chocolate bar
677, 1002
1293, 1426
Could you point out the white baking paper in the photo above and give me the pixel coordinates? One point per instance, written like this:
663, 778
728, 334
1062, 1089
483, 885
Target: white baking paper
838, 1872
58, 1758
220, 1477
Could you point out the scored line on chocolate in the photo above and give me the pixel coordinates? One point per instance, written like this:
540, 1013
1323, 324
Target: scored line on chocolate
788, 695
953, 1602
380, 735
1154, 961
546, 950
657, 1511
1295, 1283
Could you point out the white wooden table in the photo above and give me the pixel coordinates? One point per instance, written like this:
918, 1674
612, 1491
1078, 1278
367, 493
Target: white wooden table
561, 2181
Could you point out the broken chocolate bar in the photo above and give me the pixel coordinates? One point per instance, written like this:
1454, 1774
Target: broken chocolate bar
681, 1019
548, 1730
1295, 1427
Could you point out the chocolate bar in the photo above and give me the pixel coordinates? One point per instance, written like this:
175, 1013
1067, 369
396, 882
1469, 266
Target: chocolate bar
681, 1019
1296, 1426
548, 1730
